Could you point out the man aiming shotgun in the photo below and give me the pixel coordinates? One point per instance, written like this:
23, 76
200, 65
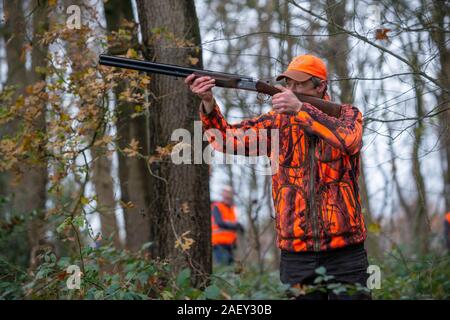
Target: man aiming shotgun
319, 221
315, 190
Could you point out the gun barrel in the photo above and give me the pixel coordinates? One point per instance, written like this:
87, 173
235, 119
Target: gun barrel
146, 66
162, 68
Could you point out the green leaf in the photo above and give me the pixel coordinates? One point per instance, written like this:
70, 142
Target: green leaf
166, 295
84, 200
339, 290
63, 225
79, 221
183, 278
212, 292
143, 278
328, 278
318, 279
98, 295
321, 270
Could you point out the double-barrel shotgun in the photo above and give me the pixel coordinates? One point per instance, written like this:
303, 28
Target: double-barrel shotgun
222, 79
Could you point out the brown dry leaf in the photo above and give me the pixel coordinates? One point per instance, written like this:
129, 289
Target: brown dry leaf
193, 61
145, 80
62, 275
104, 140
131, 53
127, 205
133, 149
166, 150
184, 242
381, 34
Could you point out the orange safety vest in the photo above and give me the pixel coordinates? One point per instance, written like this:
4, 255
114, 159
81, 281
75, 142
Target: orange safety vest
223, 236
447, 217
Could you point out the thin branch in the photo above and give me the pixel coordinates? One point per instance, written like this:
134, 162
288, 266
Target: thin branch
428, 115
366, 40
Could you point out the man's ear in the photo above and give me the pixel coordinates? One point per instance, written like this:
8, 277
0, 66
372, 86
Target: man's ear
322, 87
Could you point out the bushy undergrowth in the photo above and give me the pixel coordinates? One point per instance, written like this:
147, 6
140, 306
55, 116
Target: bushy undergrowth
108, 273
421, 277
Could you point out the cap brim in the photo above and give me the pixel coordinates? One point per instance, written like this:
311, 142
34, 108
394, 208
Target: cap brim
294, 75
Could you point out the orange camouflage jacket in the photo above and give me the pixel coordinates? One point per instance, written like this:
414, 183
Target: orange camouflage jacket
315, 190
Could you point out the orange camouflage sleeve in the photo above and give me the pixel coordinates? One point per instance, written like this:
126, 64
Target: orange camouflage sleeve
246, 138
344, 132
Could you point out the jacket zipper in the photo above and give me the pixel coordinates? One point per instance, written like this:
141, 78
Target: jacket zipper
312, 200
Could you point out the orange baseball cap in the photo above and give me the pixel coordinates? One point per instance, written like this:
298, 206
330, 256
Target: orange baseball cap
303, 67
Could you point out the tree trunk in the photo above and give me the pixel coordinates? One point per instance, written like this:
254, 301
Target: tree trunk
439, 37
337, 49
180, 202
420, 222
28, 184
115, 12
104, 188
14, 42
133, 174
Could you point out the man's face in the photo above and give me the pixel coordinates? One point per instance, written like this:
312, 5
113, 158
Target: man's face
306, 87
227, 196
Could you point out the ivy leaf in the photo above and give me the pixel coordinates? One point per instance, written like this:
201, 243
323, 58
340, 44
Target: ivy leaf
183, 278
212, 292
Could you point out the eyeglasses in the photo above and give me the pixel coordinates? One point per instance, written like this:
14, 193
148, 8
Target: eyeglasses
292, 83
296, 84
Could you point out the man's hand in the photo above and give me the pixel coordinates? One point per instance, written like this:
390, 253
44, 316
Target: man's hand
286, 101
202, 88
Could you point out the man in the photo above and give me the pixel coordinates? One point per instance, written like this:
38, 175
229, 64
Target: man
224, 226
315, 189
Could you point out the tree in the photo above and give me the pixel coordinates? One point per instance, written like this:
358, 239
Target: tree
179, 206
26, 182
133, 174
441, 10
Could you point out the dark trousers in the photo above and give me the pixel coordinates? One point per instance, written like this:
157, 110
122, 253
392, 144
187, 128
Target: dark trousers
347, 265
223, 254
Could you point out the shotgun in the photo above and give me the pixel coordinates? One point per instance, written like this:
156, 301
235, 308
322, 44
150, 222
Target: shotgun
222, 79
